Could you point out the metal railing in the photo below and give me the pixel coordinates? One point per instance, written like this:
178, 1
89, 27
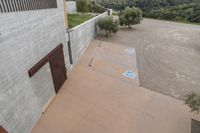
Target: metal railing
26, 5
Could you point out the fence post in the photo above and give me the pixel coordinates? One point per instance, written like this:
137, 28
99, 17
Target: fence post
69, 46
109, 12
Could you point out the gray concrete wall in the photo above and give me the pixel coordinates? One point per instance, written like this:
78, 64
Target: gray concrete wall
71, 7
82, 35
25, 37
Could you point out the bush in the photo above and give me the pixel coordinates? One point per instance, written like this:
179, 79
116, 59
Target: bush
130, 16
193, 101
82, 6
109, 25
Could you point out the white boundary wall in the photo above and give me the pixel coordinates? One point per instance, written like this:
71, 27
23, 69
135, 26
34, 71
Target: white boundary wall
71, 7
82, 35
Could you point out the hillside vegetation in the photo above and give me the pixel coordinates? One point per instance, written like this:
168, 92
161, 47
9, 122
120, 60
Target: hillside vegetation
184, 13
176, 10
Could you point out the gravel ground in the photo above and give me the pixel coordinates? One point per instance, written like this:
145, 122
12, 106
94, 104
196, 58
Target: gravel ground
168, 55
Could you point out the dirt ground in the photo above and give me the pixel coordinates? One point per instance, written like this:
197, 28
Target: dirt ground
168, 55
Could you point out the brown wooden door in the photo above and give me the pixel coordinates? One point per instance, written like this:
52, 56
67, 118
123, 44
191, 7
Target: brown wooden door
58, 69
2, 130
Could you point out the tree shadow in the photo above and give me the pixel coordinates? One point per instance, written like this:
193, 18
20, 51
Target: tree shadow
125, 28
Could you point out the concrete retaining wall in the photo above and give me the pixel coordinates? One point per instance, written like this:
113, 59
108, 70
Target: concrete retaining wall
82, 35
25, 37
71, 7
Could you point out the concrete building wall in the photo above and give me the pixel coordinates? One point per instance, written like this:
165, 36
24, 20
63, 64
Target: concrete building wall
71, 7
26, 37
82, 35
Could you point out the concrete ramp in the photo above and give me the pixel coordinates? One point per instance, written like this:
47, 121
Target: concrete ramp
117, 54
102, 95
116, 61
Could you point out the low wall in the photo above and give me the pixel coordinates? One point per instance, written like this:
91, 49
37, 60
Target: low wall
71, 7
82, 35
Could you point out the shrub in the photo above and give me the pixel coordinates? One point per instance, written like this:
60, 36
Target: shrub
193, 101
130, 16
109, 25
82, 6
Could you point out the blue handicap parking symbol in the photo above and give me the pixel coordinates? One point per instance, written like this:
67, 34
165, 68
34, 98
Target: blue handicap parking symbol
130, 74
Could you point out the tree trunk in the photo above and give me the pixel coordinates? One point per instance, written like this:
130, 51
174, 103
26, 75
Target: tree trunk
106, 33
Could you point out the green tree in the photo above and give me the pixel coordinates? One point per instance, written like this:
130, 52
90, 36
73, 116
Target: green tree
130, 16
193, 101
109, 25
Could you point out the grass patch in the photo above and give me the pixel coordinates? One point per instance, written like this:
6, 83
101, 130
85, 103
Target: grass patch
77, 19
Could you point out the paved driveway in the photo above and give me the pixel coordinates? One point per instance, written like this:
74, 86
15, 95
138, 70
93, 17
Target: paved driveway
168, 55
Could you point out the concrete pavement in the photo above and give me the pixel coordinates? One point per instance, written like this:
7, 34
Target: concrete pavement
100, 98
168, 55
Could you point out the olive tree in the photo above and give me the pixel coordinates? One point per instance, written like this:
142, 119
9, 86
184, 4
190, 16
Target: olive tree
130, 16
193, 101
109, 25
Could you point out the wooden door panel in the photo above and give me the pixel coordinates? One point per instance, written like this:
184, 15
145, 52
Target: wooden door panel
57, 65
2, 130
58, 69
